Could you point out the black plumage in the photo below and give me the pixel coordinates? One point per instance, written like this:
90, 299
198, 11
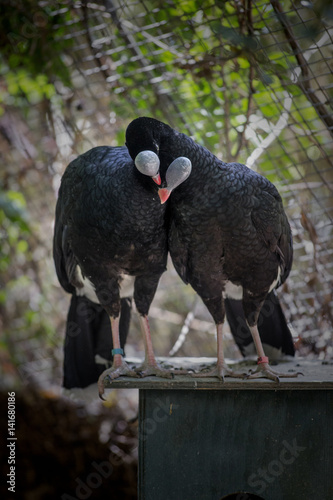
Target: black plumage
88, 332
228, 230
273, 328
88, 340
109, 226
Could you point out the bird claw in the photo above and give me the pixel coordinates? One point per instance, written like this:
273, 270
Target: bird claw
113, 373
219, 371
265, 371
150, 369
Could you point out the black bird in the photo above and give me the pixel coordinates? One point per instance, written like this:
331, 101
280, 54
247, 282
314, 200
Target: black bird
110, 229
273, 328
88, 339
228, 235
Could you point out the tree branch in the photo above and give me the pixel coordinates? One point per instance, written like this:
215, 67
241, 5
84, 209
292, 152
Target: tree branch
303, 84
250, 30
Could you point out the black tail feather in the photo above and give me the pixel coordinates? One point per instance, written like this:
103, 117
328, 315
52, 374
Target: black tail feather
272, 326
88, 333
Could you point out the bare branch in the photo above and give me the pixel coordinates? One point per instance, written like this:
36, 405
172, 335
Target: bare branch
304, 84
251, 91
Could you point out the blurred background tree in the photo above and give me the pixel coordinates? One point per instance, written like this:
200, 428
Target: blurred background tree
250, 80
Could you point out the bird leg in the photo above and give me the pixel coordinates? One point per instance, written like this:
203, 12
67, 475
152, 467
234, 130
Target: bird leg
221, 369
150, 366
119, 366
263, 369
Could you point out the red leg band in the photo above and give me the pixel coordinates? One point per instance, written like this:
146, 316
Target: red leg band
262, 359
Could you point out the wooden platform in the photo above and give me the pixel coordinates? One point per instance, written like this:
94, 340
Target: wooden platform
316, 375
201, 439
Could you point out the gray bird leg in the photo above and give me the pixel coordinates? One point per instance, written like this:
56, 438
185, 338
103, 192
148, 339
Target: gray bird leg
263, 369
119, 366
150, 366
221, 369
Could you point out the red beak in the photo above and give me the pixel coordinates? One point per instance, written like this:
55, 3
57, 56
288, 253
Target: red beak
157, 179
163, 194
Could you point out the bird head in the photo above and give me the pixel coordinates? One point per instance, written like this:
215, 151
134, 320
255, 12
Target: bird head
148, 163
144, 136
178, 171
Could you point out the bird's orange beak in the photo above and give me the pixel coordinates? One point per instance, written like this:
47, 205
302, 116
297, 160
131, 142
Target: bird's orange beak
157, 179
164, 194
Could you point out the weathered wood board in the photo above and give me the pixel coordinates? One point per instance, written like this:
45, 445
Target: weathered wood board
201, 439
316, 375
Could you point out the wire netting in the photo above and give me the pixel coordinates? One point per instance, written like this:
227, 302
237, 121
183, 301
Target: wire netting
249, 79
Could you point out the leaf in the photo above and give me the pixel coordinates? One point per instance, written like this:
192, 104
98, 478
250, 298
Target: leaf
22, 246
13, 205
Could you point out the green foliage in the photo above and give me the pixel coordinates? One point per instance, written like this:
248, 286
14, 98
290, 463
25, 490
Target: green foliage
210, 68
32, 48
31, 38
26, 303
219, 58
34, 89
14, 228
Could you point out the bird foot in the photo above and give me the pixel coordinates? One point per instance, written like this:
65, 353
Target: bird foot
265, 371
220, 371
148, 369
116, 370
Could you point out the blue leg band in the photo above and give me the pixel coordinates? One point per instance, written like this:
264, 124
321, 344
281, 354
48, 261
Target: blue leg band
117, 351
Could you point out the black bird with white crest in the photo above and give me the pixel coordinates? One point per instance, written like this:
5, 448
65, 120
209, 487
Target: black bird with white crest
111, 233
228, 234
